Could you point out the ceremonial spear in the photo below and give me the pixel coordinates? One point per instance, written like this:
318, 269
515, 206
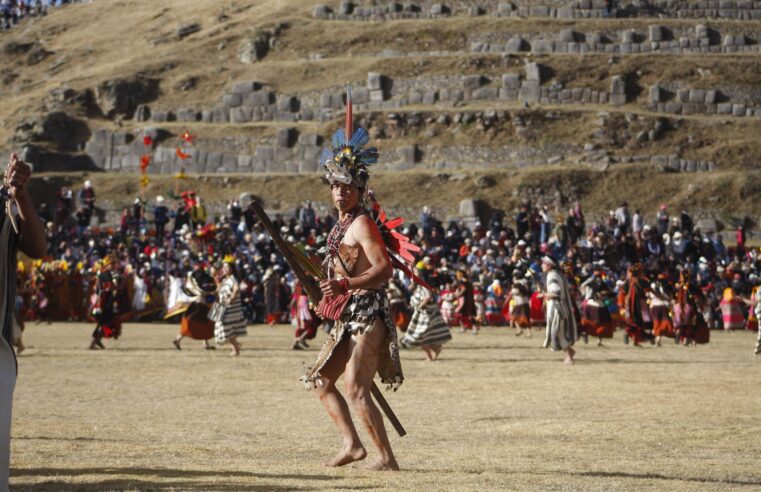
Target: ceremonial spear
299, 263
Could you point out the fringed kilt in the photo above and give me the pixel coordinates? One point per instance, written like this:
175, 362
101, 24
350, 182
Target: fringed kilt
359, 317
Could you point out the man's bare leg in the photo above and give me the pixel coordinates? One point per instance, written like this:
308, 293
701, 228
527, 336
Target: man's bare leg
360, 371
336, 406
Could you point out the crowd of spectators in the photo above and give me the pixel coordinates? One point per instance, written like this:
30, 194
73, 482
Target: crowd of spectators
13, 11
163, 241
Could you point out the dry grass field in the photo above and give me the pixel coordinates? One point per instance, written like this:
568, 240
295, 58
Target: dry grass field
496, 412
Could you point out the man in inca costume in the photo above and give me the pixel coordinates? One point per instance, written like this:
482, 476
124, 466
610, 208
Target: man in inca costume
361, 254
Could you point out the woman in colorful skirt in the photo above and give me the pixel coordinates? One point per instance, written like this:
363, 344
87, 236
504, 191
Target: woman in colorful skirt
201, 290
233, 324
495, 299
307, 320
448, 305
520, 314
660, 303
427, 329
596, 318
731, 310
685, 313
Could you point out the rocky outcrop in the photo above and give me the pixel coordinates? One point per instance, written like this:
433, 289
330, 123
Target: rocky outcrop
57, 130
122, 96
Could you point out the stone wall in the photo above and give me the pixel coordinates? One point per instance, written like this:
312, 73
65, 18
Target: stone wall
697, 101
292, 152
579, 9
657, 39
248, 102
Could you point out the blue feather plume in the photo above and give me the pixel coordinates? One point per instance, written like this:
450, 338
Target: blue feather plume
339, 139
359, 139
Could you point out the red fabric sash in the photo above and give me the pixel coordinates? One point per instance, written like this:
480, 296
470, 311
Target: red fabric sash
332, 307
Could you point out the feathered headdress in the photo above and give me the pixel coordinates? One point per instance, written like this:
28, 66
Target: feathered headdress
347, 161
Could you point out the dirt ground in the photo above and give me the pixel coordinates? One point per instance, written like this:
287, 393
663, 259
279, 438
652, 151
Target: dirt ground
496, 412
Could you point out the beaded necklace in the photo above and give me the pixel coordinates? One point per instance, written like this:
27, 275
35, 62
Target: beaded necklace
336, 236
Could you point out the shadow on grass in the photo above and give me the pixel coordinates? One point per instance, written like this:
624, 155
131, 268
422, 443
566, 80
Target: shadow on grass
497, 360
658, 476
146, 479
493, 347
582, 361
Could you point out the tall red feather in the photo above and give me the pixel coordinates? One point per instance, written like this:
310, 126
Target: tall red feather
349, 115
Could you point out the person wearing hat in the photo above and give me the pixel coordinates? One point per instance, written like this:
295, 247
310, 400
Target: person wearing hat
230, 325
363, 340
596, 319
520, 311
561, 330
160, 217
427, 329
200, 290
86, 197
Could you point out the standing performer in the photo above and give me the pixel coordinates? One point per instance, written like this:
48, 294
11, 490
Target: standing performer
201, 289
108, 306
427, 329
635, 304
271, 282
447, 300
232, 325
466, 305
307, 320
520, 312
363, 340
660, 303
19, 229
596, 320
685, 312
561, 331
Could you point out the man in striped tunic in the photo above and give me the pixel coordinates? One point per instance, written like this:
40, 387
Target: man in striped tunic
562, 331
19, 229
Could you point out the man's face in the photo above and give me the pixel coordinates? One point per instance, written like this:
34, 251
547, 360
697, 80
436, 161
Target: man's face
345, 197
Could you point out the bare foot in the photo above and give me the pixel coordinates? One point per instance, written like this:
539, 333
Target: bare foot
380, 466
436, 352
346, 456
569, 356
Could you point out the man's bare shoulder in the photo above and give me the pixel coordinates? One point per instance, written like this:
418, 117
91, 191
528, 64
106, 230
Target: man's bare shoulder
364, 227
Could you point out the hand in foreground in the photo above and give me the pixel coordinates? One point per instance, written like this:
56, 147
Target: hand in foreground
332, 287
17, 176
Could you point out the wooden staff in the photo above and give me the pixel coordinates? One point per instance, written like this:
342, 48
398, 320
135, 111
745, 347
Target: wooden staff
315, 294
